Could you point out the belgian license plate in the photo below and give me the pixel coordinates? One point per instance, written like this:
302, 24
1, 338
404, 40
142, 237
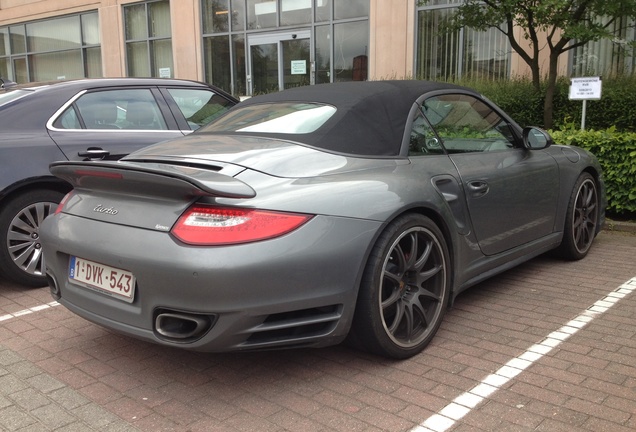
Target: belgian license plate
110, 280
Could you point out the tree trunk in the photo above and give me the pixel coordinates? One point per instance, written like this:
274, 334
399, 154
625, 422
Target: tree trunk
548, 102
536, 74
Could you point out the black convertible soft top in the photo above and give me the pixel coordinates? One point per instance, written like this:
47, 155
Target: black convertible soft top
370, 117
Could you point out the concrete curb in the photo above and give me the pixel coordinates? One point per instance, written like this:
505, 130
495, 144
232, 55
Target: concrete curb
612, 225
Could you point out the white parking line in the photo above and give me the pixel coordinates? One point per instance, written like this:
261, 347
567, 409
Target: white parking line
463, 404
28, 311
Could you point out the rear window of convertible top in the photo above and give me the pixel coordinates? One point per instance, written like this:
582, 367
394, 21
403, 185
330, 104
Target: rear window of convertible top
278, 118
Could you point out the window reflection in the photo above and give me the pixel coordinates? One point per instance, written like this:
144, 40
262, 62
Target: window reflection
466, 52
199, 107
217, 61
323, 54
323, 10
339, 40
58, 65
148, 39
216, 15
50, 35
350, 51
466, 124
4, 41
18, 39
58, 48
261, 14
608, 56
284, 118
350, 8
294, 12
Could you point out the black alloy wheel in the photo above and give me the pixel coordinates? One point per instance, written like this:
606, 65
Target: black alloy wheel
405, 289
581, 221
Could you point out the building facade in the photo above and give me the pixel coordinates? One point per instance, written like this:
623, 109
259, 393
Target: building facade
255, 46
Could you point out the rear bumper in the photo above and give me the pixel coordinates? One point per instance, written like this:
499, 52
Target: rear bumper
296, 290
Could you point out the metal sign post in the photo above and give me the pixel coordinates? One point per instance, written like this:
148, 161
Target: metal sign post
585, 89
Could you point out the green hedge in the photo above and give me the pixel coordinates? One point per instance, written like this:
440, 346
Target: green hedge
518, 98
616, 152
610, 127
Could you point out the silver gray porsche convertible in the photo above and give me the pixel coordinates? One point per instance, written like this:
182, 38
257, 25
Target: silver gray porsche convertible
301, 218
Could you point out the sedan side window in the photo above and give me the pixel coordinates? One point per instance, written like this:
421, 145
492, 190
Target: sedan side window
113, 109
199, 106
68, 120
467, 124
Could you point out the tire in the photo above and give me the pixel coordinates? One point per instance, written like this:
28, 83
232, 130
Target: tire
405, 289
581, 220
21, 258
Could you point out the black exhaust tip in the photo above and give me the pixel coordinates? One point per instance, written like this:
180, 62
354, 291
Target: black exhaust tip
181, 326
53, 286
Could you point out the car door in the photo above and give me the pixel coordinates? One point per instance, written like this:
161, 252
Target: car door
511, 192
110, 123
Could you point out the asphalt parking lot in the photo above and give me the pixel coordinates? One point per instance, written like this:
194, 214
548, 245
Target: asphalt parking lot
548, 346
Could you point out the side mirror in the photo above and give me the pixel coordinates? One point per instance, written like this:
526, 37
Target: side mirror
535, 138
5, 84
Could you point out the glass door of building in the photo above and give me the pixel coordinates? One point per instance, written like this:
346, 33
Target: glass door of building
20, 70
278, 61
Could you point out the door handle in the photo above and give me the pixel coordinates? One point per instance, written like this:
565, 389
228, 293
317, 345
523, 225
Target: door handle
94, 153
478, 188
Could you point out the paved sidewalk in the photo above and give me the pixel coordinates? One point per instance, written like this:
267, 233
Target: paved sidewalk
34, 400
59, 372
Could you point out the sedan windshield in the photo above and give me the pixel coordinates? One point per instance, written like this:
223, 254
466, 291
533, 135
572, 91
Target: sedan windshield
282, 118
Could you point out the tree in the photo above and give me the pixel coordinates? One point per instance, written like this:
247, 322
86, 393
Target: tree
556, 25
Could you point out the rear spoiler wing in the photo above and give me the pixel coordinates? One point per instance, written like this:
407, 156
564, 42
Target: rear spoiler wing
158, 179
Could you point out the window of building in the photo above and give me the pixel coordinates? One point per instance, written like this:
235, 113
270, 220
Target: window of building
60, 48
465, 53
338, 39
5, 51
148, 39
608, 56
350, 8
350, 51
322, 54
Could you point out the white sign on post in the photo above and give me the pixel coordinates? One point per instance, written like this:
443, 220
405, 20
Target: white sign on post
585, 89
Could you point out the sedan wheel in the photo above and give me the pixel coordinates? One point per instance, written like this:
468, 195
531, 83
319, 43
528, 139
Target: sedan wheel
581, 221
21, 258
405, 289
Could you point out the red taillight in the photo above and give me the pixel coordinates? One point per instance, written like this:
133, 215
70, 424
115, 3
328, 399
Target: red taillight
95, 173
202, 225
62, 203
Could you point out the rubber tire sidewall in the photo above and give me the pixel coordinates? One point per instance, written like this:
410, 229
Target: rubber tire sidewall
8, 268
367, 331
567, 249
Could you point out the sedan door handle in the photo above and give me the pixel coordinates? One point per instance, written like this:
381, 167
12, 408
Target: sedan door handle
478, 188
94, 153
